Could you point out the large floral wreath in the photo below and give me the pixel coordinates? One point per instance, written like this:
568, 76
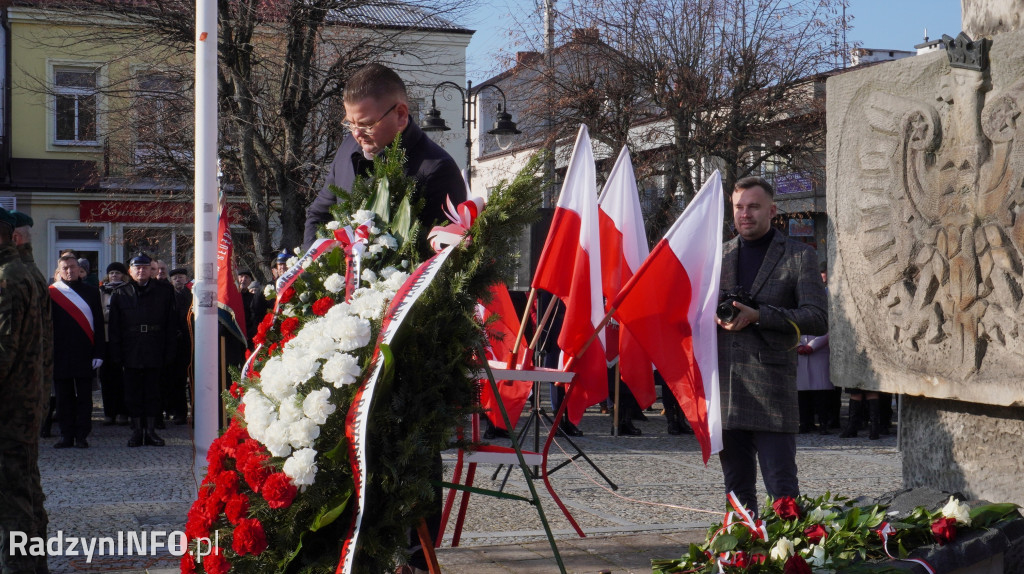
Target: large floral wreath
278, 494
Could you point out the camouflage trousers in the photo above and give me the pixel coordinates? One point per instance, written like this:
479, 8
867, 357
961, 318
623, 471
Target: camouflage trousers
21, 503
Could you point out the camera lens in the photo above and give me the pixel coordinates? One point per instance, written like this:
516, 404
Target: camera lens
726, 312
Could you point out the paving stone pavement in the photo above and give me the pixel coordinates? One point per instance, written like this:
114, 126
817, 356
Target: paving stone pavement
666, 497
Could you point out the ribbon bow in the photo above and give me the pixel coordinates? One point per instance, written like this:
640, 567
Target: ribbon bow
461, 217
354, 243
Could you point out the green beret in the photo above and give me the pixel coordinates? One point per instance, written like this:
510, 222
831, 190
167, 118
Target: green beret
8, 218
21, 219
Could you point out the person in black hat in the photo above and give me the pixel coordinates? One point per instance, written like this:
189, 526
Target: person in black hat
112, 371
176, 385
253, 301
143, 336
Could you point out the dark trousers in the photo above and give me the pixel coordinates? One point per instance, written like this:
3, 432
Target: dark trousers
142, 392
21, 503
173, 392
776, 452
74, 406
112, 387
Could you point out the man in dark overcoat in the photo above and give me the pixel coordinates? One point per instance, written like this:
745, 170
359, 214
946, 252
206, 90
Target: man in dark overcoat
143, 335
376, 111
79, 347
757, 357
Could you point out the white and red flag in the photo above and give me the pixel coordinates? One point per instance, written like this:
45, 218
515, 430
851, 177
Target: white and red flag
499, 316
623, 250
570, 269
669, 306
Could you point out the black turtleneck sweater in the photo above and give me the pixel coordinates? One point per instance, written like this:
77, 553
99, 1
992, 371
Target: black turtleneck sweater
751, 257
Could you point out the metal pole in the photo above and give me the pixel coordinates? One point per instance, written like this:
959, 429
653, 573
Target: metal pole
551, 190
205, 288
468, 121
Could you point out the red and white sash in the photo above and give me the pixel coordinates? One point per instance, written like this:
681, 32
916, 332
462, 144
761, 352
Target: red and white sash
63, 295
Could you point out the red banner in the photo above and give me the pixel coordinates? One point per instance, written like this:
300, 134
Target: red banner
121, 211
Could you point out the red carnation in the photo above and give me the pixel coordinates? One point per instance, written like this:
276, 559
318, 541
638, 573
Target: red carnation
249, 537
786, 508
199, 522
288, 328
796, 565
255, 468
188, 564
216, 563
237, 508
322, 306
815, 534
944, 530
227, 485
263, 329
235, 390
279, 491
286, 296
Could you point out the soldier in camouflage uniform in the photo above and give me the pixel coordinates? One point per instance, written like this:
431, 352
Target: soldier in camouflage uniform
21, 360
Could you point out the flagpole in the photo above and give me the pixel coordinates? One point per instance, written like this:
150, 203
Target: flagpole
522, 322
615, 407
569, 364
543, 322
205, 288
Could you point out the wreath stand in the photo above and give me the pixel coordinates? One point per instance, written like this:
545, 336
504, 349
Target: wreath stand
501, 455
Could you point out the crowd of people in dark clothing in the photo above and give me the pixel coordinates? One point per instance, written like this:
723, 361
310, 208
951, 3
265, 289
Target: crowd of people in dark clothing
132, 334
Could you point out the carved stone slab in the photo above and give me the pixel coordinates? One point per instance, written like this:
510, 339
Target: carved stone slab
926, 230
990, 17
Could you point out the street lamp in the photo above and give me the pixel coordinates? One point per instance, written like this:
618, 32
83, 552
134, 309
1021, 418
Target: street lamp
504, 127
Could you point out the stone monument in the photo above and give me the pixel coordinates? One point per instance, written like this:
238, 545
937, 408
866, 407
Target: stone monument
926, 243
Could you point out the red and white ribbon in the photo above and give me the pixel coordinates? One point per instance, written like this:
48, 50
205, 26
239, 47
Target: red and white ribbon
461, 217
73, 304
354, 243
883, 532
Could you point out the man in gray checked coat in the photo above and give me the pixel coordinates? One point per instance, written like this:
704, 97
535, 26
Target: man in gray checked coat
757, 356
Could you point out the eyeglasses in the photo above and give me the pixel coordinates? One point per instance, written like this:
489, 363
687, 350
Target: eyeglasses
368, 130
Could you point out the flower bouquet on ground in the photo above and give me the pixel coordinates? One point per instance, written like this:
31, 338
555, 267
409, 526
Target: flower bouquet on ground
279, 492
827, 534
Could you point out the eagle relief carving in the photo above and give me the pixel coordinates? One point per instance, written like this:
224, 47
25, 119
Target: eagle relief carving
938, 222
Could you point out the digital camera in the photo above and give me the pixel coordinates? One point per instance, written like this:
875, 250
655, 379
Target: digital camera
726, 312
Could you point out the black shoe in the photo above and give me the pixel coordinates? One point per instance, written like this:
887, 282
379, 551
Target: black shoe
674, 428
570, 429
136, 438
64, 443
81, 443
627, 429
150, 438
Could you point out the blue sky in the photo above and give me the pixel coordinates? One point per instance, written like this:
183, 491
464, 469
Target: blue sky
889, 24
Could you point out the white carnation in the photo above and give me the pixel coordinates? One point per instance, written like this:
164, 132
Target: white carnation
277, 439
301, 467
363, 216
259, 413
268, 292
374, 249
395, 281
303, 432
387, 240
290, 412
288, 310
388, 272
335, 283
332, 225
350, 332
369, 304
958, 511
341, 369
317, 406
292, 261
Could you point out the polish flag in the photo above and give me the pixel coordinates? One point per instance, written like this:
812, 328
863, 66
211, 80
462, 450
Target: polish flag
502, 325
669, 306
570, 269
623, 250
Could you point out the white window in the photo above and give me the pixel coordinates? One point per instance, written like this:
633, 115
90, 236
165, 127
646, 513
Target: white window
75, 105
161, 109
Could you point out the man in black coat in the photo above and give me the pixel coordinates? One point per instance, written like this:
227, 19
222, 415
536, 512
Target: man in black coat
376, 111
176, 403
143, 335
78, 346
